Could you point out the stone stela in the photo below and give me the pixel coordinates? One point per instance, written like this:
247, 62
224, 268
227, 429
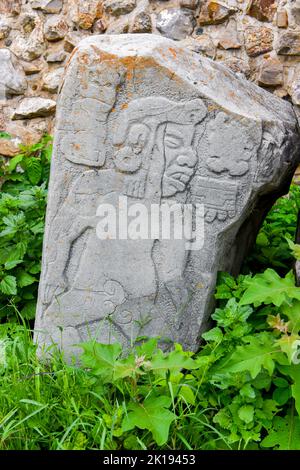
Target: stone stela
140, 117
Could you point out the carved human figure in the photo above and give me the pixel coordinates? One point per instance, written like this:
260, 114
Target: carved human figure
154, 158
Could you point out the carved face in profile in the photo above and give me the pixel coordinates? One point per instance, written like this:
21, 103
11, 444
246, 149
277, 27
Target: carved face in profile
180, 158
168, 128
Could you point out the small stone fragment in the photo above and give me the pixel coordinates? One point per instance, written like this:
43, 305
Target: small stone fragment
288, 43
119, 7
30, 47
262, 10
175, 23
4, 29
100, 26
12, 77
270, 73
55, 28
202, 45
34, 107
47, 6
52, 80
55, 56
141, 23
31, 68
192, 4
213, 12
86, 12
282, 19
258, 40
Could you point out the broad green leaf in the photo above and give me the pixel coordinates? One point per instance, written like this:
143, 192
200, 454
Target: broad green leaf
293, 371
8, 285
215, 334
101, 358
33, 169
14, 162
29, 310
246, 413
284, 434
270, 288
152, 415
173, 361
258, 354
25, 279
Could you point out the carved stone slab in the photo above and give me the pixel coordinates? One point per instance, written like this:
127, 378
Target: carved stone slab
144, 124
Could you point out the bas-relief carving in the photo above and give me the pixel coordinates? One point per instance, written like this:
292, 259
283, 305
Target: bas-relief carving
154, 158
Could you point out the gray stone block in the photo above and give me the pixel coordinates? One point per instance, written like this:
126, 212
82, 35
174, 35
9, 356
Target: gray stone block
146, 122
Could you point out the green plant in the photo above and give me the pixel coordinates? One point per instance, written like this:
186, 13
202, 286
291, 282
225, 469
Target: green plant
22, 211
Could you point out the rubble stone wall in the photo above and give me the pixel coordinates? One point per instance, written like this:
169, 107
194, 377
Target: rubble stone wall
259, 39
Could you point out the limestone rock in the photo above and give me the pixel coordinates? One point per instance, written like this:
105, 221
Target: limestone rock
120, 26
34, 107
55, 56
12, 7
100, 26
71, 40
238, 66
213, 12
175, 23
258, 40
55, 28
282, 19
288, 43
32, 46
31, 68
86, 13
52, 80
192, 4
141, 23
294, 13
145, 126
270, 73
262, 10
47, 6
19, 135
119, 7
295, 92
227, 37
4, 29
12, 77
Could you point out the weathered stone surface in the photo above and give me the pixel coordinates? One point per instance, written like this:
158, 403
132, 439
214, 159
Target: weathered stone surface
227, 37
174, 23
258, 40
238, 66
282, 19
192, 4
119, 7
32, 46
10, 6
202, 45
86, 12
295, 91
262, 10
34, 107
55, 28
71, 41
12, 77
4, 29
153, 124
47, 6
52, 80
294, 13
288, 43
55, 56
270, 73
213, 12
100, 26
141, 23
